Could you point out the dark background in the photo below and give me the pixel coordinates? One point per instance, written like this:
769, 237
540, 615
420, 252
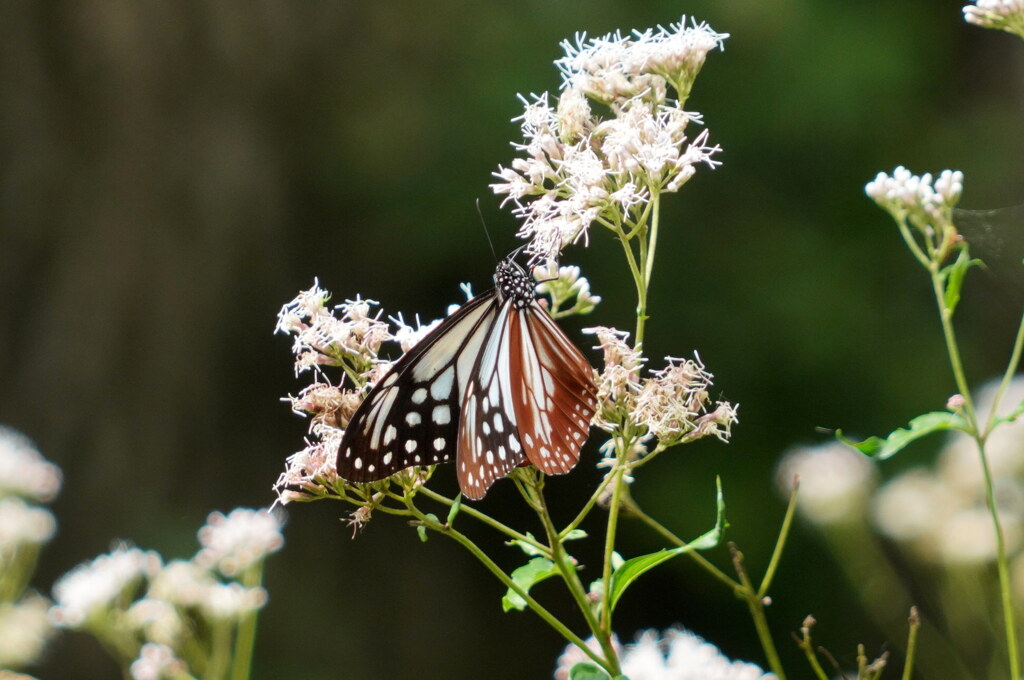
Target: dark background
172, 173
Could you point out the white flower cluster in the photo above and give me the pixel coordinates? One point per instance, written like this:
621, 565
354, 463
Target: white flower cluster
677, 655
939, 514
564, 285
164, 613
835, 481
576, 167
672, 405
929, 204
235, 542
26, 480
1007, 15
321, 338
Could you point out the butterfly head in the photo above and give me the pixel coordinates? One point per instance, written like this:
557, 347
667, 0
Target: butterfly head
514, 283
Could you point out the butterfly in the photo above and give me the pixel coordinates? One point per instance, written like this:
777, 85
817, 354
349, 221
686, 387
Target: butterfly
495, 386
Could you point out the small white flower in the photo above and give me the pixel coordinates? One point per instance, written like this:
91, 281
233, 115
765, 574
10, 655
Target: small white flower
24, 631
310, 472
232, 543
92, 587
157, 662
23, 524
835, 481
911, 506
23, 470
407, 337
968, 537
906, 194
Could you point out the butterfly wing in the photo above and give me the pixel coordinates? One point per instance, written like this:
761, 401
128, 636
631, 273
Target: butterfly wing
489, 446
553, 391
411, 416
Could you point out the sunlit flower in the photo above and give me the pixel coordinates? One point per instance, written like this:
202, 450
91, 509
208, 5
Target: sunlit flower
92, 587
232, 543
23, 470
835, 481
24, 631
406, 336
310, 473
157, 662
673, 403
1007, 15
619, 381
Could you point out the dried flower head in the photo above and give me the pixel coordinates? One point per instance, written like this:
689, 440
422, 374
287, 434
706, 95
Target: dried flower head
234, 542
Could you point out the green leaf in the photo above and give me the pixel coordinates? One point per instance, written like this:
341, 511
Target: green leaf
954, 277
631, 569
526, 547
585, 670
456, 506
526, 576
574, 535
421, 529
1012, 415
898, 439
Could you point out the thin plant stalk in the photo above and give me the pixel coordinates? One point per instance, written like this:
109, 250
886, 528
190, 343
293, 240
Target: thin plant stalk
245, 639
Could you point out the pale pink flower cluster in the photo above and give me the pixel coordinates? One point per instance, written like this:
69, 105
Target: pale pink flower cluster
677, 655
673, 404
91, 589
1007, 15
157, 662
577, 168
23, 470
926, 201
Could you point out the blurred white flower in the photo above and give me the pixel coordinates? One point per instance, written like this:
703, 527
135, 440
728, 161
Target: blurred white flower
910, 506
968, 536
24, 631
157, 662
23, 470
232, 543
1007, 15
232, 601
679, 655
835, 481
157, 620
21, 524
181, 582
92, 587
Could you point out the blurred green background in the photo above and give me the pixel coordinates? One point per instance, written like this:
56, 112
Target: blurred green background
171, 173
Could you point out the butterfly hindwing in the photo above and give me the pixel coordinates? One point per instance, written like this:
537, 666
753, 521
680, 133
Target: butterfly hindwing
553, 391
411, 416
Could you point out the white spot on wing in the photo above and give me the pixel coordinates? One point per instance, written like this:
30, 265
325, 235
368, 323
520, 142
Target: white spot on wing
442, 415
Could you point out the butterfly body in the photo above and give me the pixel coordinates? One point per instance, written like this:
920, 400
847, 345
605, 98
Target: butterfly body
495, 386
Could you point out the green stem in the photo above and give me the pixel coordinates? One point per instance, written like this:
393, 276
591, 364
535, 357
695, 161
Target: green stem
915, 625
1006, 595
787, 522
756, 606
245, 641
575, 585
220, 653
609, 545
1011, 370
587, 507
486, 519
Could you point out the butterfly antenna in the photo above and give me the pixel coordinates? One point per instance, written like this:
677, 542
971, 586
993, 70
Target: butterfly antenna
486, 233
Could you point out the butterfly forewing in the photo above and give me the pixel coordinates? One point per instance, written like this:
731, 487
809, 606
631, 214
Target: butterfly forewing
553, 391
411, 416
